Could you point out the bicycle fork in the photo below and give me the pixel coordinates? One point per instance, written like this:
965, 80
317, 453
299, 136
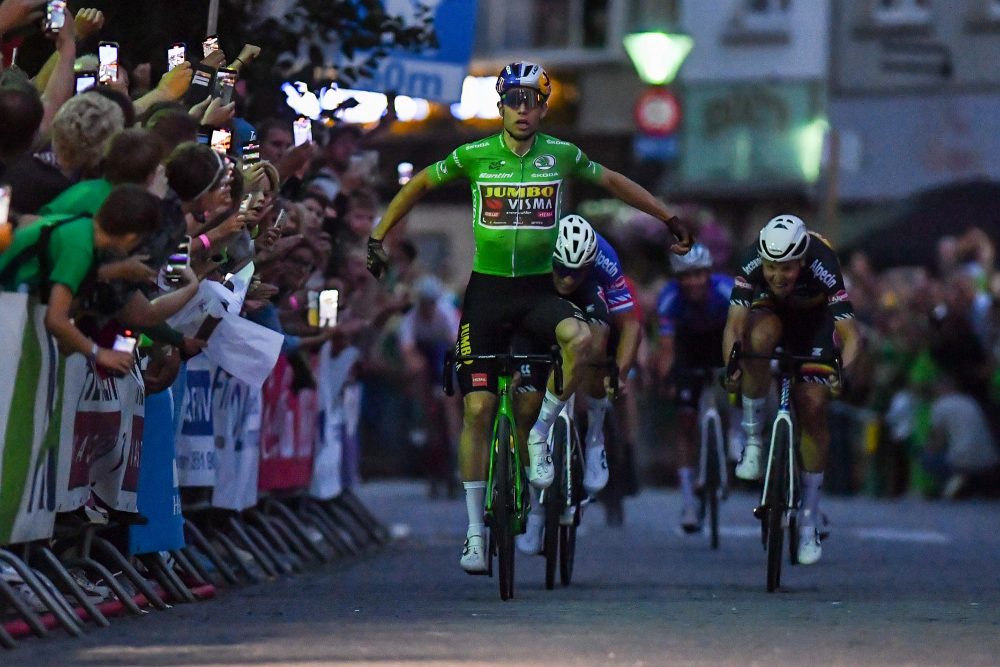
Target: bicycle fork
711, 419
784, 415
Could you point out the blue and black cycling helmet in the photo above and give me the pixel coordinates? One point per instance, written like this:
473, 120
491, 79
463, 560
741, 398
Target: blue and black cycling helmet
524, 75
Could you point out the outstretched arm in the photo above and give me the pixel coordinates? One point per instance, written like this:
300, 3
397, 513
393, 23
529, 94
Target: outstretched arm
639, 197
403, 203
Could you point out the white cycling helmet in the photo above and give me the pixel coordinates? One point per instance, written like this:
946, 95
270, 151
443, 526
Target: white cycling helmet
524, 75
576, 245
783, 239
698, 257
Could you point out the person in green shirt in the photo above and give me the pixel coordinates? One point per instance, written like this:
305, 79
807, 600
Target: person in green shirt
517, 179
56, 259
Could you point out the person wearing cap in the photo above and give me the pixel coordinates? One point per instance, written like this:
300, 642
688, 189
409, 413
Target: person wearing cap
692, 310
789, 291
518, 180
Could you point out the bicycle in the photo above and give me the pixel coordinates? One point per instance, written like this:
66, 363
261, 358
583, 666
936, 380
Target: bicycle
713, 468
779, 504
506, 506
565, 499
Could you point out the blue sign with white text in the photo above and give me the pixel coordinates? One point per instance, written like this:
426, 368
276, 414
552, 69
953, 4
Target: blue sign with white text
435, 73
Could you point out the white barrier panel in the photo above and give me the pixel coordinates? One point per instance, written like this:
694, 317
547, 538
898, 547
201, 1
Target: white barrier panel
236, 419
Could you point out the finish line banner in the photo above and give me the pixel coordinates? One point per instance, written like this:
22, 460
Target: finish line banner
433, 74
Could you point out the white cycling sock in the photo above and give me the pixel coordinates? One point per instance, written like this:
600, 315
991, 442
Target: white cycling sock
685, 475
536, 496
753, 415
811, 484
551, 406
475, 494
596, 409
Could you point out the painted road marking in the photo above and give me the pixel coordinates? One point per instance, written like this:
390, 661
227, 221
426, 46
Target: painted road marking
881, 534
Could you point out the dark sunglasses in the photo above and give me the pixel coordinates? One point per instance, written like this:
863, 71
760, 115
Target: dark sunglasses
564, 271
515, 97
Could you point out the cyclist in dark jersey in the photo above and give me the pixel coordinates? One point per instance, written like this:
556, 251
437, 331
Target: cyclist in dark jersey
517, 180
790, 291
692, 310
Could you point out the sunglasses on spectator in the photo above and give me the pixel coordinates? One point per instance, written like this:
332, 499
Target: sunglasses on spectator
515, 97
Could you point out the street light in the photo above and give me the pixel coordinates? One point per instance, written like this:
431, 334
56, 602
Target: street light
657, 55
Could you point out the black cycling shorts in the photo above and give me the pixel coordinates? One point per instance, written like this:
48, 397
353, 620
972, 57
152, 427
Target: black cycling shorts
497, 307
808, 333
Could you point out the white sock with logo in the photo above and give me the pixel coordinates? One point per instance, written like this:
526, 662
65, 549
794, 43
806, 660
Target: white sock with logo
551, 407
685, 475
596, 409
812, 482
475, 495
753, 416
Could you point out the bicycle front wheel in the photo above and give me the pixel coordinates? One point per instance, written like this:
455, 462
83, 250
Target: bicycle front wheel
710, 492
567, 533
503, 505
555, 501
776, 504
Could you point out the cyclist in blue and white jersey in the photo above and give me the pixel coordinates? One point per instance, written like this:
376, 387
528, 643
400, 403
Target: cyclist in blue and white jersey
692, 310
586, 271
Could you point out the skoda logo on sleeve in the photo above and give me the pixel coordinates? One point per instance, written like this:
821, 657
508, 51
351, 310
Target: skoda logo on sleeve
544, 162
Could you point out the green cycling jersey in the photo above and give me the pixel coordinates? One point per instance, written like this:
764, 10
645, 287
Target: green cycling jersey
516, 200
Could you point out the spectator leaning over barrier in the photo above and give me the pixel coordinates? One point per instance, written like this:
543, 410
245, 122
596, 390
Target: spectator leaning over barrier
56, 259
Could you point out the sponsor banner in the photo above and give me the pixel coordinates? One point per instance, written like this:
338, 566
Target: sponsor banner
332, 375
236, 419
30, 399
196, 439
506, 206
288, 432
114, 472
159, 497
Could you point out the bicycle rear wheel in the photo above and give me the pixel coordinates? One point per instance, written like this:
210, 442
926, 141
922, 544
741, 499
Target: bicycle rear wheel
555, 501
776, 505
503, 506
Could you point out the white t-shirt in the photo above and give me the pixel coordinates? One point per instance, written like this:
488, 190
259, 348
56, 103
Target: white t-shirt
969, 441
440, 327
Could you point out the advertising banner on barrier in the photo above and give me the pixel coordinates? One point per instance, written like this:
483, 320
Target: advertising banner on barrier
196, 435
236, 412
30, 399
332, 375
159, 497
288, 432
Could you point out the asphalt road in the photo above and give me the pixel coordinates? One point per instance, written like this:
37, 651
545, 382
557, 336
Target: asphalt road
901, 583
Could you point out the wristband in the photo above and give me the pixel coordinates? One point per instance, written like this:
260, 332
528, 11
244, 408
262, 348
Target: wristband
205, 241
92, 356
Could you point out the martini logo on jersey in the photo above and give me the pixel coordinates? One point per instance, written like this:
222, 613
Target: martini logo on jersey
544, 162
519, 205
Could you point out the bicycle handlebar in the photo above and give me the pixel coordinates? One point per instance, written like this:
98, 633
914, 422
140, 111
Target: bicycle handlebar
786, 360
554, 358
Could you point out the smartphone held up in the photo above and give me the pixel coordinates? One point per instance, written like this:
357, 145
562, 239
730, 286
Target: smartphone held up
176, 55
180, 260
107, 57
302, 131
55, 16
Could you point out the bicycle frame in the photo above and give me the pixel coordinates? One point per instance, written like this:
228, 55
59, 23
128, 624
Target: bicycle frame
567, 471
505, 408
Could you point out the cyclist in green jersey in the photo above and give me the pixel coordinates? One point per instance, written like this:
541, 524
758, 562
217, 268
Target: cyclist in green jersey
517, 180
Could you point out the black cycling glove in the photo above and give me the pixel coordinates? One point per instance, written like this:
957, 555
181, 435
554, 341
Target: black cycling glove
378, 260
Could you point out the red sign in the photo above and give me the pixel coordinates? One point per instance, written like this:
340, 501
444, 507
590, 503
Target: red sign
657, 112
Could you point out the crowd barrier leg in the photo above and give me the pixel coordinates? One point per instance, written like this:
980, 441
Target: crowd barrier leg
336, 535
174, 587
203, 545
191, 567
50, 560
112, 583
234, 553
289, 547
270, 568
351, 524
6, 640
137, 580
379, 531
295, 525
285, 563
52, 599
303, 545
22, 609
